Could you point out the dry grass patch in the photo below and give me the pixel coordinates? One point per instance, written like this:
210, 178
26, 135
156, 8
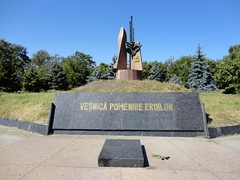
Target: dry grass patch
29, 107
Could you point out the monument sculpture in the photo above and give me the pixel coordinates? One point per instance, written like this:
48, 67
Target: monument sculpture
118, 113
133, 69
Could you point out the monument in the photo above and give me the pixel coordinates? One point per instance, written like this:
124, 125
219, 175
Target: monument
133, 69
138, 113
115, 113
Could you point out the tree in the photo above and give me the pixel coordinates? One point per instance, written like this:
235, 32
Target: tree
111, 72
228, 71
97, 74
58, 79
200, 78
13, 62
180, 68
148, 67
156, 74
31, 80
175, 80
44, 78
77, 68
146, 70
40, 58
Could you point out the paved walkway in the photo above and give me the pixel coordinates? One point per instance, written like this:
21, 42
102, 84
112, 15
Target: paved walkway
25, 155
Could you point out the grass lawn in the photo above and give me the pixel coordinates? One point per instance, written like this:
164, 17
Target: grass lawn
223, 109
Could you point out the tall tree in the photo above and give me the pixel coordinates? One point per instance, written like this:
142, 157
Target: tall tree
31, 80
13, 62
58, 78
77, 68
44, 77
40, 58
200, 78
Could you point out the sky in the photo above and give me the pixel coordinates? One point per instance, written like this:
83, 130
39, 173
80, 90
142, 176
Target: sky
165, 28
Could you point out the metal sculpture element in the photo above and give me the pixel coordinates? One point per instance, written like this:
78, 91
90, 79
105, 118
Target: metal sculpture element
133, 48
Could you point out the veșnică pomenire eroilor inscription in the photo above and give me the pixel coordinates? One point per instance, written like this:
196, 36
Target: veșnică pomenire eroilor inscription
125, 112
104, 106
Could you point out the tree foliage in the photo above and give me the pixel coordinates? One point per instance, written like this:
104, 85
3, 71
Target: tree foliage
149, 69
40, 58
58, 79
111, 72
228, 71
180, 68
31, 81
200, 78
156, 74
13, 62
78, 68
97, 74
175, 79
45, 71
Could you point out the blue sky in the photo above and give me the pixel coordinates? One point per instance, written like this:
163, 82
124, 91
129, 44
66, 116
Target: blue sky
165, 28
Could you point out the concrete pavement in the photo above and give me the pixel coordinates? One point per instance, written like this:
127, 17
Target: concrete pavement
25, 155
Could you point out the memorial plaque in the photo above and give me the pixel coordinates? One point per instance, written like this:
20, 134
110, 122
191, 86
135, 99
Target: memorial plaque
125, 112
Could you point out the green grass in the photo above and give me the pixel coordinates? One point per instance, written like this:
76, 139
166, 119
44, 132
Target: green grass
223, 109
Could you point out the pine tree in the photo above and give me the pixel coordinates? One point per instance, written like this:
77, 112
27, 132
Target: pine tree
200, 78
31, 80
156, 74
58, 79
175, 79
97, 74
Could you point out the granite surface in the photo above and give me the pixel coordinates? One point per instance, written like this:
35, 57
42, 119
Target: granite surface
174, 113
121, 153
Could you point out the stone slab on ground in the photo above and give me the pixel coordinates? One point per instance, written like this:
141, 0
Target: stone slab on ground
121, 153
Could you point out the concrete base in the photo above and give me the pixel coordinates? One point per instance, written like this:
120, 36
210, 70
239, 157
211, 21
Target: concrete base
121, 153
128, 74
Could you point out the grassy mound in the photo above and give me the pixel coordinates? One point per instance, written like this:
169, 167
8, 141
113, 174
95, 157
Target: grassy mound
130, 86
223, 109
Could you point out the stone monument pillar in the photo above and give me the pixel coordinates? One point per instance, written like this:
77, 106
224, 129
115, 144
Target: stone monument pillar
134, 72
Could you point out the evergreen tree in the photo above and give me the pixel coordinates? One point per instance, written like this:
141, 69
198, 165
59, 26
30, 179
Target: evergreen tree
31, 80
97, 74
111, 72
57, 78
156, 74
200, 78
43, 78
175, 80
